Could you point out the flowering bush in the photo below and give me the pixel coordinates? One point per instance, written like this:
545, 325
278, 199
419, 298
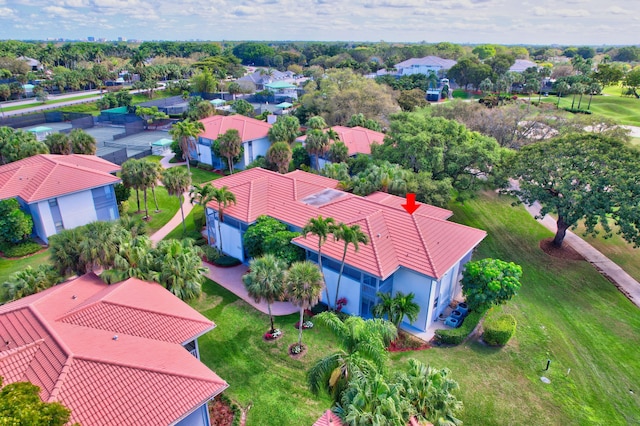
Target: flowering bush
274, 334
340, 303
305, 325
296, 349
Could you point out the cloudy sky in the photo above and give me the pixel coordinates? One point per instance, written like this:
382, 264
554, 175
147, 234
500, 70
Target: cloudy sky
576, 22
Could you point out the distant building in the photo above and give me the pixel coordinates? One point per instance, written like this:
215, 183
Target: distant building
521, 65
90, 38
426, 65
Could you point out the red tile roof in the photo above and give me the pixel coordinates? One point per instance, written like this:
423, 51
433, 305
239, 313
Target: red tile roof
328, 418
45, 176
249, 128
64, 340
357, 139
424, 242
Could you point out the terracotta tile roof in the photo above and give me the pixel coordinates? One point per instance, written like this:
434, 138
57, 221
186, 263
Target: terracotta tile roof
357, 139
249, 128
46, 176
424, 242
63, 340
328, 418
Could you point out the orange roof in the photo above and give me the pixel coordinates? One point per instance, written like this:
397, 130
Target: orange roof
111, 354
46, 176
328, 418
249, 128
357, 139
424, 242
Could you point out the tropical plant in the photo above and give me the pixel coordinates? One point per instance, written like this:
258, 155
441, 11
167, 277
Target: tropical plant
82, 142
223, 197
20, 404
489, 282
58, 143
316, 144
177, 265
177, 181
362, 350
99, 244
316, 123
338, 152
185, 133
64, 251
134, 259
29, 281
285, 129
321, 228
203, 194
350, 235
130, 174
279, 153
397, 307
15, 225
230, 145
265, 281
304, 286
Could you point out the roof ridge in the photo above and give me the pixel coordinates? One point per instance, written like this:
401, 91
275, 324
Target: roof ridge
18, 349
151, 369
50, 330
373, 242
53, 396
157, 312
424, 244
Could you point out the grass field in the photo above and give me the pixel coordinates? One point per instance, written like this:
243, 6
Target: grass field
9, 266
169, 206
178, 231
622, 109
565, 310
199, 176
49, 102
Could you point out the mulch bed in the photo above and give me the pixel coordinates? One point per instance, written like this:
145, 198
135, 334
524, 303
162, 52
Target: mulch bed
273, 340
566, 252
297, 356
406, 342
220, 413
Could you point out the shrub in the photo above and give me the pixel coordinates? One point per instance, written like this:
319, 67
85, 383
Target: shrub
205, 166
210, 253
319, 308
226, 261
457, 335
577, 111
220, 415
199, 219
498, 329
21, 249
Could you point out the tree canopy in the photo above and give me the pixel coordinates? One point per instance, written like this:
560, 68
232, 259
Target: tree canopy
20, 404
583, 177
489, 282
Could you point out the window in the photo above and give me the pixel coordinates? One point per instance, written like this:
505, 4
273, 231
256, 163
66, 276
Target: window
313, 257
369, 281
331, 264
351, 273
55, 215
250, 146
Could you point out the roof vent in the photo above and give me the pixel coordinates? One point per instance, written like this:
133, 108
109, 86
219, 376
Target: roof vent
379, 235
115, 337
74, 297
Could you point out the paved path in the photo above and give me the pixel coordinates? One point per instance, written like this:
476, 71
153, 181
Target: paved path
231, 279
625, 282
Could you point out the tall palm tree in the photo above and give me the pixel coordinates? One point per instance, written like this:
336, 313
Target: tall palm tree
82, 142
153, 173
224, 198
561, 88
280, 154
266, 281
349, 235
130, 175
178, 267
594, 89
304, 286
58, 143
321, 228
397, 307
177, 181
202, 194
316, 123
64, 248
361, 350
134, 259
430, 391
185, 133
230, 146
100, 244
317, 143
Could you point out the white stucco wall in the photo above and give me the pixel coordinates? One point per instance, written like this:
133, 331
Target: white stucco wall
231, 240
77, 209
205, 154
422, 69
407, 281
48, 227
349, 288
259, 147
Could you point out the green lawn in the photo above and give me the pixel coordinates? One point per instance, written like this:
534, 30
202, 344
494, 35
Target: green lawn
154, 158
49, 102
199, 176
169, 206
622, 109
9, 266
178, 231
566, 312
157, 94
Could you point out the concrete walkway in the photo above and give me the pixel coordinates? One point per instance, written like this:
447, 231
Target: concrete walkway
625, 282
231, 279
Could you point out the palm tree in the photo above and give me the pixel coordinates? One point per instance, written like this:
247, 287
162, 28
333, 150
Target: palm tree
321, 228
134, 259
58, 143
373, 400
130, 175
362, 350
99, 244
349, 235
224, 198
65, 252
430, 392
280, 154
29, 281
561, 89
316, 123
151, 173
185, 133
230, 146
203, 194
397, 307
304, 285
82, 142
177, 181
178, 267
593, 89
317, 143
266, 281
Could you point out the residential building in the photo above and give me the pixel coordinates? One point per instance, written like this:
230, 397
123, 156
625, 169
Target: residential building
252, 132
357, 139
426, 65
421, 253
120, 354
262, 77
61, 191
521, 65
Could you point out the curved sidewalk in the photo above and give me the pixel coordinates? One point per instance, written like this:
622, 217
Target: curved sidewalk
614, 273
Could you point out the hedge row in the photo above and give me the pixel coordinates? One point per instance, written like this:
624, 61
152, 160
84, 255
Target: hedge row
455, 336
226, 261
20, 249
498, 329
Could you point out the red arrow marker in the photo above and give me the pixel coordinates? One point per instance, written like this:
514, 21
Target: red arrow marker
411, 205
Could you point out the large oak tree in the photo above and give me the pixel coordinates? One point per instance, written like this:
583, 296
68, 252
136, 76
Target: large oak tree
585, 177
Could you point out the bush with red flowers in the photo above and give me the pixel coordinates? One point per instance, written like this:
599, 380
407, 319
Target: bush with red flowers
273, 334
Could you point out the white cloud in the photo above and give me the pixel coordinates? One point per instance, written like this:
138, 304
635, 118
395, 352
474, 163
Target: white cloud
617, 10
7, 13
